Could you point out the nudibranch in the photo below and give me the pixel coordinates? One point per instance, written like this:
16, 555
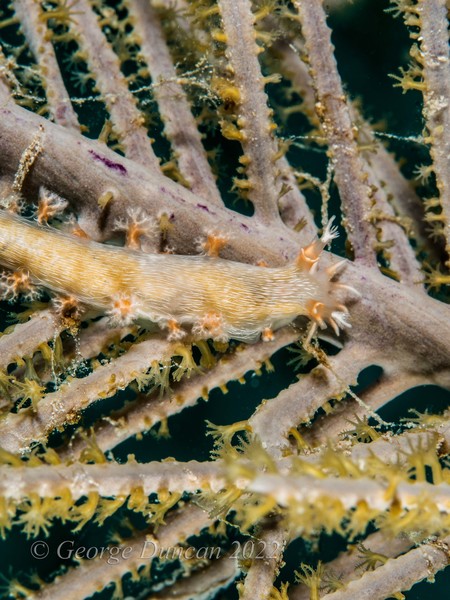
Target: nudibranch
209, 297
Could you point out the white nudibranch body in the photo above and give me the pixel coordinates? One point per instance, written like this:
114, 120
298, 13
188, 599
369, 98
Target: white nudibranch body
212, 297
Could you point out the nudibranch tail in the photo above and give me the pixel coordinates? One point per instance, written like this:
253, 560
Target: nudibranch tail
208, 297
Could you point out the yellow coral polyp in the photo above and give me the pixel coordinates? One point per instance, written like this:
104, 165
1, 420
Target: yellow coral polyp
62, 14
30, 390
219, 36
231, 132
226, 91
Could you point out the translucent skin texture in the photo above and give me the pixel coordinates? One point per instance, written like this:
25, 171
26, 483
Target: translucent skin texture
215, 297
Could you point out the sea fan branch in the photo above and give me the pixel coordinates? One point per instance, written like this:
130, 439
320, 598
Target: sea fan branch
398, 574
105, 65
253, 121
58, 408
36, 33
179, 123
334, 113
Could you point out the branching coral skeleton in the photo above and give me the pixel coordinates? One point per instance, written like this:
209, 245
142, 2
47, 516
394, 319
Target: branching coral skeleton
137, 276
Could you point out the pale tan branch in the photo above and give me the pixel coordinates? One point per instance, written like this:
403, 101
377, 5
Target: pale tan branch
333, 110
104, 64
393, 240
296, 70
254, 115
59, 408
294, 211
344, 568
331, 426
434, 56
97, 336
287, 490
265, 567
26, 337
110, 479
377, 327
212, 578
402, 196
35, 30
398, 574
298, 403
180, 127
93, 575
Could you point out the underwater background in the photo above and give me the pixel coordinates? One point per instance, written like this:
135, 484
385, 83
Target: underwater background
370, 44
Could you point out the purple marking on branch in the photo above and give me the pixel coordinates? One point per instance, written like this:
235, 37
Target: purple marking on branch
244, 226
109, 163
204, 207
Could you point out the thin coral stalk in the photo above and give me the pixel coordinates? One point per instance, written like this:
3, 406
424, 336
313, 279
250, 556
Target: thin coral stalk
94, 339
343, 569
91, 575
254, 120
264, 569
208, 580
26, 337
398, 574
434, 55
334, 113
393, 230
402, 195
125, 117
289, 490
36, 33
19, 430
179, 123
298, 403
331, 426
110, 479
